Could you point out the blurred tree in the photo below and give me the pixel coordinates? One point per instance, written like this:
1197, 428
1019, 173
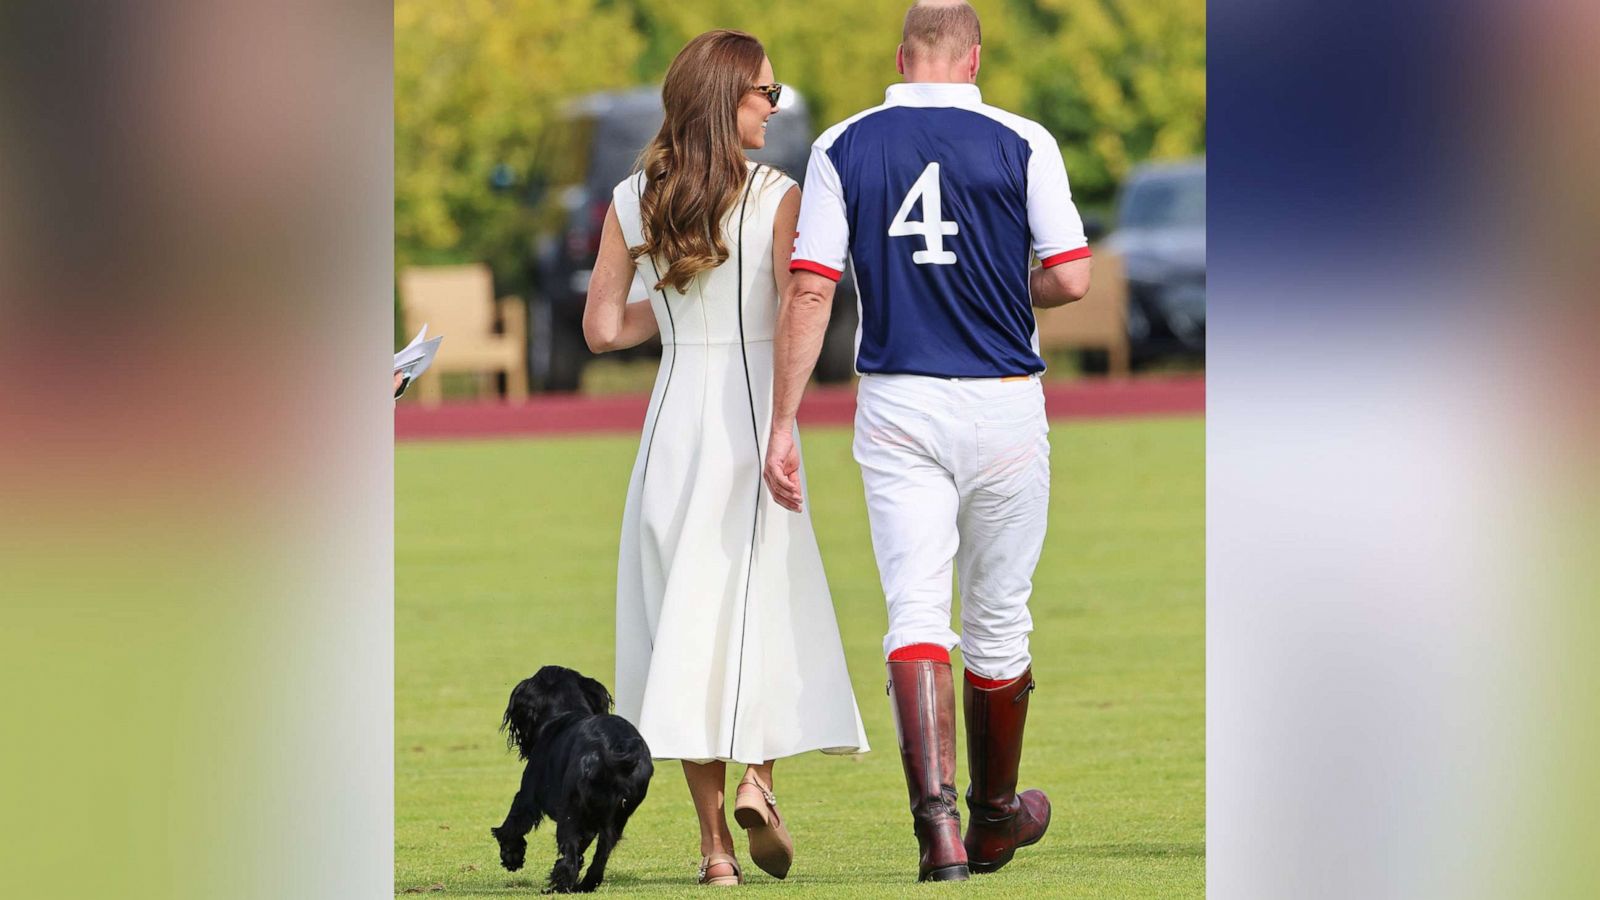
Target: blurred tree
475, 82
843, 68
1117, 82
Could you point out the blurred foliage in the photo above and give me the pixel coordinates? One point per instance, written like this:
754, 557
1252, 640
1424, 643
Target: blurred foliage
1117, 82
477, 81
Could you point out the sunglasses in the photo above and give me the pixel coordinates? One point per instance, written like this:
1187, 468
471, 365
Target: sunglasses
773, 92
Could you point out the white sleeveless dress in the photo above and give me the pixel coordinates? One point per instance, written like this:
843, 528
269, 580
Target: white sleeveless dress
727, 644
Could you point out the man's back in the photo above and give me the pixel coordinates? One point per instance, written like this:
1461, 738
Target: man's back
939, 200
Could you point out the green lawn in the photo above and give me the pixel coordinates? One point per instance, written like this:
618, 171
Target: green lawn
505, 556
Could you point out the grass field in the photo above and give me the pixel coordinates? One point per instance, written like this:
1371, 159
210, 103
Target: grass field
505, 561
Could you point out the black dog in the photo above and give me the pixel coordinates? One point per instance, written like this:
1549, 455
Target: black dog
587, 770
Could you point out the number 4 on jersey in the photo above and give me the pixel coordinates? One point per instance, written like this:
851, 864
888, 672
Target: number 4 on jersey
933, 227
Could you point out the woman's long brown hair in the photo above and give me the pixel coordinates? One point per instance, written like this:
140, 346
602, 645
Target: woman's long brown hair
695, 167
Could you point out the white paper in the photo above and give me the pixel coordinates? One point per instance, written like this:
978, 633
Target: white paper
415, 358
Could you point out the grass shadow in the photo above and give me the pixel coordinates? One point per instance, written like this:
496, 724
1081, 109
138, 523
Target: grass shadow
1142, 851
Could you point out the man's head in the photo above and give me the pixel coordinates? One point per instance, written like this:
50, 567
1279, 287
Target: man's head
941, 41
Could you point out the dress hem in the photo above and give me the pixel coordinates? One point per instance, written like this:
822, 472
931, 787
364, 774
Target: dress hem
830, 751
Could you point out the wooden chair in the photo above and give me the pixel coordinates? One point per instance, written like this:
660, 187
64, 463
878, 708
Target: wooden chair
1098, 321
481, 335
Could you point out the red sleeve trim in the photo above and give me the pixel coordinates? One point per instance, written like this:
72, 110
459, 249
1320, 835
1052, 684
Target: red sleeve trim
1068, 256
806, 265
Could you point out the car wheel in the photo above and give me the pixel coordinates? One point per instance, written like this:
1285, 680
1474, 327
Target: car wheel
1094, 362
568, 356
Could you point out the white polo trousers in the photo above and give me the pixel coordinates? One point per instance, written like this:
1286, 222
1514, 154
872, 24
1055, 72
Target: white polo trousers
956, 471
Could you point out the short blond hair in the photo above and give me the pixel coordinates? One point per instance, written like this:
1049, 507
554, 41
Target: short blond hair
945, 28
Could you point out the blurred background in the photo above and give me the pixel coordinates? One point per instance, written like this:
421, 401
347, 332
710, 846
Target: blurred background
513, 121
196, 547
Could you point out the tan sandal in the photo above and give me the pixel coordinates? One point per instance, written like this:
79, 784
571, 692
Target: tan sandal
756, 811
720, 859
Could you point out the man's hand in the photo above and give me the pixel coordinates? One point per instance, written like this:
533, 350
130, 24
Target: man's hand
782, 470
802, 320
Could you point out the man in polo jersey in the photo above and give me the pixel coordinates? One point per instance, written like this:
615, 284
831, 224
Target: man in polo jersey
939, 203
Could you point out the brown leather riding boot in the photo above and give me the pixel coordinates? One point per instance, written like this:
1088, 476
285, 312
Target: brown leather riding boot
1000, 821
925, 718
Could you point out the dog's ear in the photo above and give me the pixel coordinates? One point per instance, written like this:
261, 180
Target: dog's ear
525, 712
596, 695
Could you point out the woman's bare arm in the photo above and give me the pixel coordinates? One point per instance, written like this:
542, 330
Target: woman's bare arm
610, 322
783, 235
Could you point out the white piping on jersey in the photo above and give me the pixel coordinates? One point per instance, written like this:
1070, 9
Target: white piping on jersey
940, 94
861, 318
826, 139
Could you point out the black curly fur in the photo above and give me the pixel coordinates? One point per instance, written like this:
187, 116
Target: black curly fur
586, 769
553, 697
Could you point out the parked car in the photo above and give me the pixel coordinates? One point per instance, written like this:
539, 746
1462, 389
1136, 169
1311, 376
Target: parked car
1161, 235
594, 146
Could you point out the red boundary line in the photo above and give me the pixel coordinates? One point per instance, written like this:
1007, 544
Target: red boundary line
555, 415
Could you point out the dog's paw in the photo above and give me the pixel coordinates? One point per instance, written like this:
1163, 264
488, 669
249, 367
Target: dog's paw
513, 850
562, 880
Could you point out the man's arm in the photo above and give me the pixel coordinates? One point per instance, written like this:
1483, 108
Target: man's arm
1059, 285
1057, 229
802, 321
820, 249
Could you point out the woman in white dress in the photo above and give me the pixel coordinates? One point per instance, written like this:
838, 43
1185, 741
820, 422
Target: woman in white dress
727, 645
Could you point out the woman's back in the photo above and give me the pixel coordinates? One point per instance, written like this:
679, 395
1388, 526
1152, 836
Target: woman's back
727, 645
722, 603
709, 311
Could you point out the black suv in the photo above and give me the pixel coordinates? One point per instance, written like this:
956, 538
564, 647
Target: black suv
1161, 235
594, 146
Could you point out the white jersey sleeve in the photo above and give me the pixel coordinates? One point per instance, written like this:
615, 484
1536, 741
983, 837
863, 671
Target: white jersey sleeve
824, 239
1052, 217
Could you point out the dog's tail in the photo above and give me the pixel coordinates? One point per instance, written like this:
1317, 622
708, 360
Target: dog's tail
620, 763
608, 761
